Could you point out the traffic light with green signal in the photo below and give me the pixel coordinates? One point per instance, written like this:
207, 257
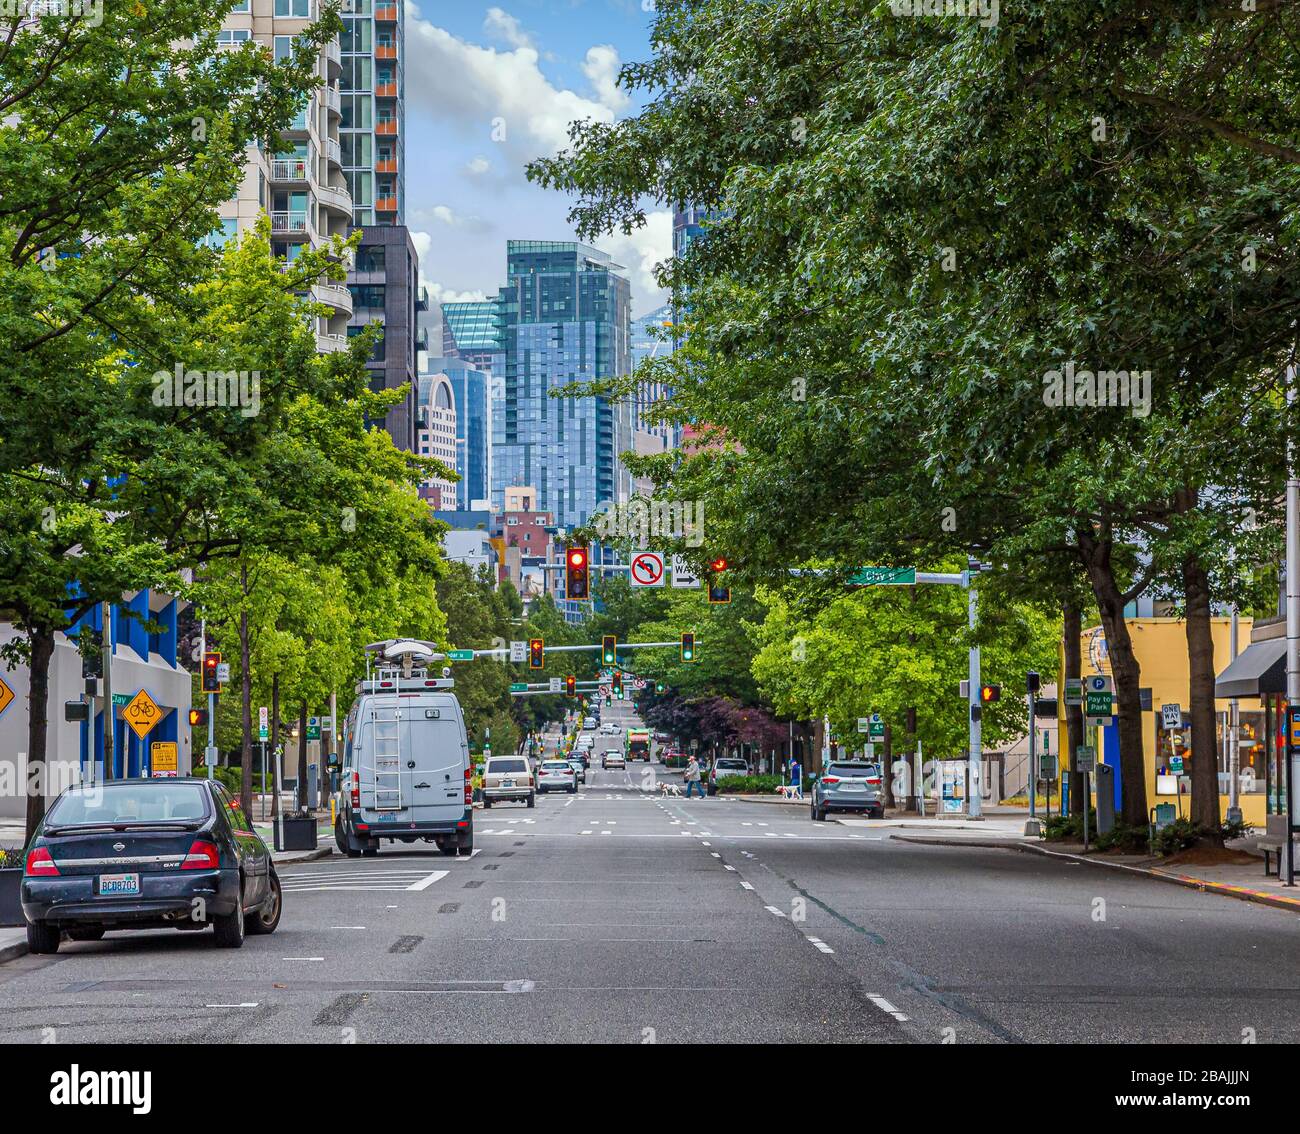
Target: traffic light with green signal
608, 649
688, 646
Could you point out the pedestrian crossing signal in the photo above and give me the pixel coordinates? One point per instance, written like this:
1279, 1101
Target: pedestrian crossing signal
990, 693
198, 717
536, 653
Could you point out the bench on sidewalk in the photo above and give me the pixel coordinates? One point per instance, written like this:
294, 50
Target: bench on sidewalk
1273, 841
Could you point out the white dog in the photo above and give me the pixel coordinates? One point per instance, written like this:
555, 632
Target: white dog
669, 789
787, 791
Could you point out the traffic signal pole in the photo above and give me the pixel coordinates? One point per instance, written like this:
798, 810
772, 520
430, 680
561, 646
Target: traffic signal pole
974, 806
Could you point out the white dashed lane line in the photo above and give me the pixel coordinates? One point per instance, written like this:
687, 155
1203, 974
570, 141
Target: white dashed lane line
884, 1005
774, 910
817, 941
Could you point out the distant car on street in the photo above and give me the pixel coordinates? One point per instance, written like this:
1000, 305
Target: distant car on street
613, 758
147, 854
723, 767
557, 775
589, 722
579, 767
849, 785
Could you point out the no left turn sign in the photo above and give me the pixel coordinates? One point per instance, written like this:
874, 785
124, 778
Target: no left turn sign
647, 569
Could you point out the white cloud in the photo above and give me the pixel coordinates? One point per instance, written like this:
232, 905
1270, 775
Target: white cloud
477, 166
639, 253
423, 242
485, 92
503, 26
601, 67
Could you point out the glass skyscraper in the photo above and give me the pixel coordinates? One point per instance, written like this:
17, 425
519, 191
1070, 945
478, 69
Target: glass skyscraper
563, 316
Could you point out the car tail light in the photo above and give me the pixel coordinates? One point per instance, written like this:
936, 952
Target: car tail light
40, 864
202, 855
830, 779
873, 780
356, 788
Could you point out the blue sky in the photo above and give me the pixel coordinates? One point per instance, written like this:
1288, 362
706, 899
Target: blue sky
525, 69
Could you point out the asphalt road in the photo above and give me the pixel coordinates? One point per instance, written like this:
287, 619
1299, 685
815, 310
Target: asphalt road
618, 915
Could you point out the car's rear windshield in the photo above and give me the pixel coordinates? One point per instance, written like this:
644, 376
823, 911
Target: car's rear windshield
556, 765
859, 770
733, 764
506, 766
147, 801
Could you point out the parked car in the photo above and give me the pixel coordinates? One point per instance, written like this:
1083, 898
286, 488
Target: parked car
406, 771
147, 854
849, 785
557, 775
613, 759
508, 779
579, 767
723, 767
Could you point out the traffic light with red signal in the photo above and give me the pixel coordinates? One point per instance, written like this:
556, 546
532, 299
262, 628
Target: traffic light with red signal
571, 685
536, 653
211, 661
577, 579
717, 591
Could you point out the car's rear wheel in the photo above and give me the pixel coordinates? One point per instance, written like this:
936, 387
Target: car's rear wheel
42, 937
268, 917
228, 929
86, 933
532, 799
817, 814
487, 803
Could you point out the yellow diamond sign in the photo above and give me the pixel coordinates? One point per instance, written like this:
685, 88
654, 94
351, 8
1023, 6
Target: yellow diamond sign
142, 714
6, 695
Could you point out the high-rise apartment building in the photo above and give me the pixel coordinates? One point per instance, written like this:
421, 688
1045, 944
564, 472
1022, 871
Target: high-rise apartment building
564, 316
437, 436
471, 331
304, 189
472, 396
373, 128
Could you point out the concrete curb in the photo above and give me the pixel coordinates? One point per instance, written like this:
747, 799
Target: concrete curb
13, 952
1190, 882
763, 799
302, 856
946, 841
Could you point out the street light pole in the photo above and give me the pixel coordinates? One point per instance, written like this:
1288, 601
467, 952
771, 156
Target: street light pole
1292, 617
973, 809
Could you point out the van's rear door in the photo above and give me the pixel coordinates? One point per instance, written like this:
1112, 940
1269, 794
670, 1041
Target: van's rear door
439, 751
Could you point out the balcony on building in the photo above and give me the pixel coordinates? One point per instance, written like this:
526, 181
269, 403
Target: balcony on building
333, 101
422, 299
386, 127
385, 50
386, 13
334, 57
386, 90
386, 165
385, 204
333, 154
329, 343
290, 170
289, 222
336, 198
336, 295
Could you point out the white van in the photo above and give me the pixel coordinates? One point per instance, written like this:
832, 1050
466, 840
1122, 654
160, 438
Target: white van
405, 766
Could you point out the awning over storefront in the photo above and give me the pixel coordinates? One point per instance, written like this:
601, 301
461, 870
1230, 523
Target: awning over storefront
1259, 669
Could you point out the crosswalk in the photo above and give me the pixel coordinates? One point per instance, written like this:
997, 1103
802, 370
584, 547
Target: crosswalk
375, 879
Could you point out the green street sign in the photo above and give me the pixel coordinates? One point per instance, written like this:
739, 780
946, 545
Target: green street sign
883, 577
460, 655
121, 698
518, 687
1098, 704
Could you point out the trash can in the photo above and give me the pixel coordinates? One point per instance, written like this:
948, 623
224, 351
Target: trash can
295, 832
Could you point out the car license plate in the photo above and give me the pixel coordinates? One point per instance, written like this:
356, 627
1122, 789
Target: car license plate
507, 783
119, 885
853, 787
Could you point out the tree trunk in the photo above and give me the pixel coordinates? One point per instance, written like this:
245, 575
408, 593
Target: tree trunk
1200, 660
1072, 619
42, 650
246, 703
1127, 675
302, 756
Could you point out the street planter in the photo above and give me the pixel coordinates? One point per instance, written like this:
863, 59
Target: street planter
295, 833
11, 909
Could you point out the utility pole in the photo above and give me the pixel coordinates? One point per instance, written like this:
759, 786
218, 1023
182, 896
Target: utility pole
973, 807
1292, 619
106, 617
1233, 732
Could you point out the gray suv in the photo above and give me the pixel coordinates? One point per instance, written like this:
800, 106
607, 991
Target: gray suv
849, 785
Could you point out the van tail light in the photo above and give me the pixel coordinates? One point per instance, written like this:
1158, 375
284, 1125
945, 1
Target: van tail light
40, 864
202, 855
469, 787
356, 788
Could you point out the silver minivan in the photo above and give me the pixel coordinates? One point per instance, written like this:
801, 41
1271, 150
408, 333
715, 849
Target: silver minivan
405, 767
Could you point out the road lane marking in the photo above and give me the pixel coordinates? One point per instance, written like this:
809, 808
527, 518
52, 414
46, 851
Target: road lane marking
425, 883
714, 853
726, 867
884, 1005
243, 1004
820, 944
302, 958
347, 927
773, 909
746, 886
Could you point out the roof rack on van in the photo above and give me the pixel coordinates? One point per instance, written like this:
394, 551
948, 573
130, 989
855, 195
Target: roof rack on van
401, 665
